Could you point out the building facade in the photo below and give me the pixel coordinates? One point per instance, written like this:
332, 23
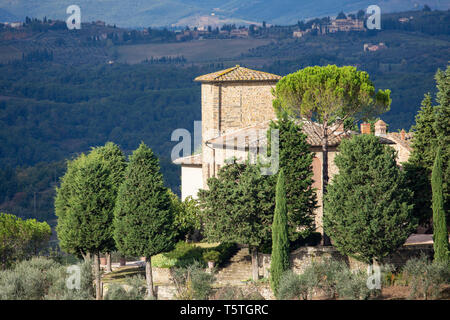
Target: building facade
236, 113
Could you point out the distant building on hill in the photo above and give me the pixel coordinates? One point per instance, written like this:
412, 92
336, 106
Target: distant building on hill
374, 47
343, 25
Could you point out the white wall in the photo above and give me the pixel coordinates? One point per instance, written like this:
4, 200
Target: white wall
191, 181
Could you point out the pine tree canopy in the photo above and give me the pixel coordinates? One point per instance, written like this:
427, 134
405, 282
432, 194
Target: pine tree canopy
143, 217
368, 211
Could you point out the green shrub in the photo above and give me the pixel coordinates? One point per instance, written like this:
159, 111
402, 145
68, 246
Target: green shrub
162, 261
211, 255
135, 290
185, 254
237, 293
292, 286
41, 278
426, 278
29, 280
327, 272
59, 290
192, 282
352, 285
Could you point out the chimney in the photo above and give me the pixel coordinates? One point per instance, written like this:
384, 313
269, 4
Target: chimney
403, 135
365, 128
380, 128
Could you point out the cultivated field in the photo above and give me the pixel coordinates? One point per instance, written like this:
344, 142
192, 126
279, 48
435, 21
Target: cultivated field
193, 51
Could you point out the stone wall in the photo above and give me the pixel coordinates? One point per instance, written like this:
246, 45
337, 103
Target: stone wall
317, 177
303, 257
230, 106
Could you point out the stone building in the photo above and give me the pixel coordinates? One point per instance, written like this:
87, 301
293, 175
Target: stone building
236, 113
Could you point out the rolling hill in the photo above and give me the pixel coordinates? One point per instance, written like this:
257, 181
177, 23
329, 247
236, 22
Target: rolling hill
144, 13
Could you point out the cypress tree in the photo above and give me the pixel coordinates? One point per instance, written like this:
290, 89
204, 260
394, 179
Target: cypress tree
114, 161
143, 217
368, 210
440, 233
280, 241
238, 207
85, 213
442, 127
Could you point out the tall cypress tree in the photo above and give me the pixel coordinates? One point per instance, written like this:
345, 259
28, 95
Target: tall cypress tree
440, 233
280, 241
418, 167
442, 127
143, 217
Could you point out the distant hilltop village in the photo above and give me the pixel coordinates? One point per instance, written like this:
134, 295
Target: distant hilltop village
342, 23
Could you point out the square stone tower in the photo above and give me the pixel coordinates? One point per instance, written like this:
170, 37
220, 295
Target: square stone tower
233, 99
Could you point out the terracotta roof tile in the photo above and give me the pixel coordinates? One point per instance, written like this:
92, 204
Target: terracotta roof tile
238, 73
255, 135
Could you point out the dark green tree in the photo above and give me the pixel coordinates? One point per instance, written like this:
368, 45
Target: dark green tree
440, 232
143, 217
295, 158
442, 127
418, 167
238, 207
424, 139
84, 205
280, 241
430, 132
114, 161
368, 211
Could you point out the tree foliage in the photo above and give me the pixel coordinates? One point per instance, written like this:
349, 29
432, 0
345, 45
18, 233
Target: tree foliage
329, 95
440, 233
144, 217
86, 199
431, 132
21, 239
280, 241
186, 216
325, 93
368, 210
295, 159
238, 205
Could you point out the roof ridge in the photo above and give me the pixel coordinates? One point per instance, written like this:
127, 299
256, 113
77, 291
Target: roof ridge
224, 72
238, 73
